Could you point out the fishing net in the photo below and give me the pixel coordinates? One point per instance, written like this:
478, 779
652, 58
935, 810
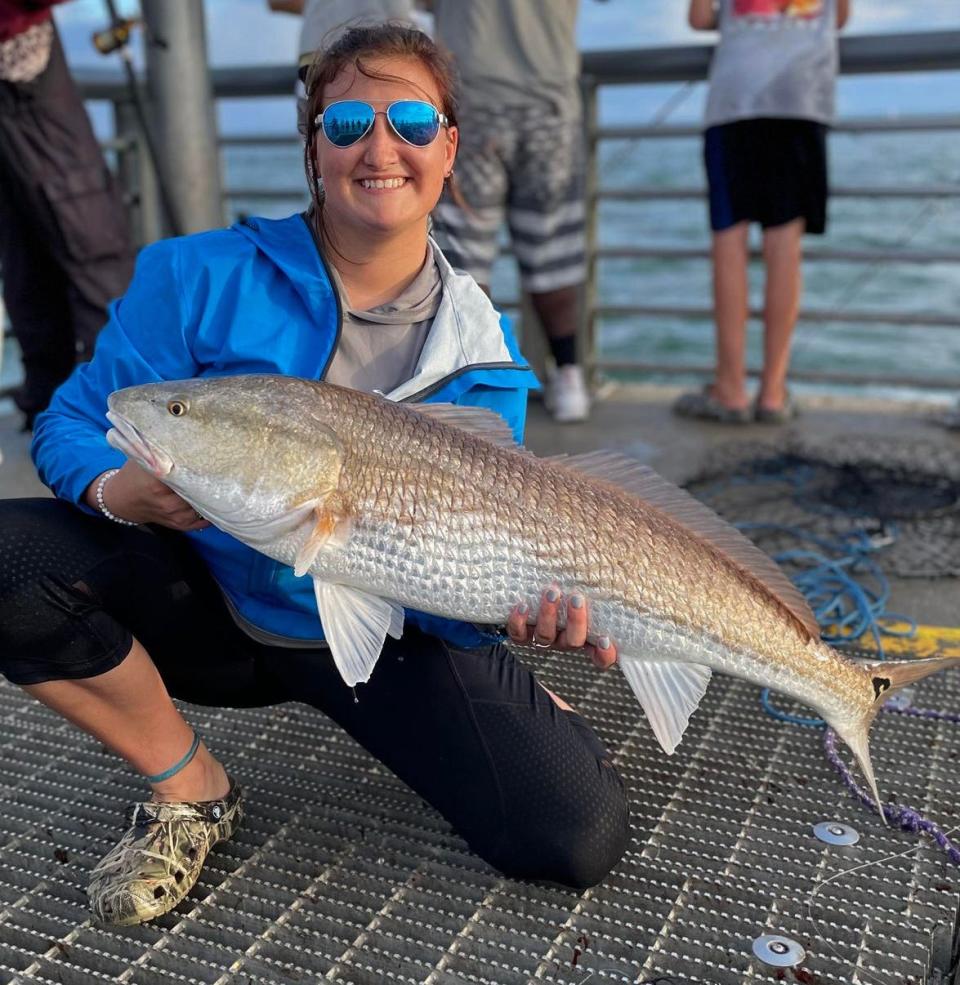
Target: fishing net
902, 495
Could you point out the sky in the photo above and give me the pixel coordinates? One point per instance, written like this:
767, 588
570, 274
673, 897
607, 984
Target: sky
246, 32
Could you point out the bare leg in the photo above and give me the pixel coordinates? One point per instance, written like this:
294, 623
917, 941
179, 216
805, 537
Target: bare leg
129, 710
730, 305
781, 254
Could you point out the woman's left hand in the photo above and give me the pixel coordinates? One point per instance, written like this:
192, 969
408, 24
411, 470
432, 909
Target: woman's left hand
541, 630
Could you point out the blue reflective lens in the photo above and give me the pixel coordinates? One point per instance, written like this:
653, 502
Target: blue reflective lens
416, 122
346, 122
412, 120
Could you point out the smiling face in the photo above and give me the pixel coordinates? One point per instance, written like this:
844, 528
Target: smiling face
380, 185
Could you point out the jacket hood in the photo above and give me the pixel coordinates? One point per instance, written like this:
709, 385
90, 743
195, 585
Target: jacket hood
290, 245
460, 338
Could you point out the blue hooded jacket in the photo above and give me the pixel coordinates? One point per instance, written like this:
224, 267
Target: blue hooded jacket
257, 298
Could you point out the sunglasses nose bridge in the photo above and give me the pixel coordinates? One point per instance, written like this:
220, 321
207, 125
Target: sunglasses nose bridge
380, 140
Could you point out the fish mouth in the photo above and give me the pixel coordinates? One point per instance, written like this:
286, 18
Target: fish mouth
125, 437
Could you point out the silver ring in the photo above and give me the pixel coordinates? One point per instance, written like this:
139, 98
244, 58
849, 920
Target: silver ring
537, 645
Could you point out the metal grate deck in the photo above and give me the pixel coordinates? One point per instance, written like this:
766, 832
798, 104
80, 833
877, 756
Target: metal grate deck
833, 486
339, 873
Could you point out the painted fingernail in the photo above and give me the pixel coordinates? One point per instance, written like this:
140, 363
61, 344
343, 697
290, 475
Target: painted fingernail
576, 601
603, 643
523, 609
552, 595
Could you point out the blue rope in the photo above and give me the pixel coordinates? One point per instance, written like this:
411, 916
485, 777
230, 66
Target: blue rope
848, 594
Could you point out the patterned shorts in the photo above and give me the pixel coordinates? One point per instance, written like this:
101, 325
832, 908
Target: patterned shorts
525, 166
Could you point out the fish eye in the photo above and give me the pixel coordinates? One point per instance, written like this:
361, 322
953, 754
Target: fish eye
177, 408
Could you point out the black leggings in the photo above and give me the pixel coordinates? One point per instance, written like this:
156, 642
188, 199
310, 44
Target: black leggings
529, 786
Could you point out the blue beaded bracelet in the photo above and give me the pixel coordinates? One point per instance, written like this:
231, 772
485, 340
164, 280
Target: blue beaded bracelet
166, 774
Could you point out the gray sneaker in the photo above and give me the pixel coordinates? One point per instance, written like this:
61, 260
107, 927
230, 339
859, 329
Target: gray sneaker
159, 858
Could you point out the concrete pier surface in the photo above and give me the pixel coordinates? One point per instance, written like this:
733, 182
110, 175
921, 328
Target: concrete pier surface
340, 873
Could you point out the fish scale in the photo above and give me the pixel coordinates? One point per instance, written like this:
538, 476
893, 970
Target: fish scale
537, 523
431, 507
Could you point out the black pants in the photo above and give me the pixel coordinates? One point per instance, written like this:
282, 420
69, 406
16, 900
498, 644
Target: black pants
64, 246
529, 786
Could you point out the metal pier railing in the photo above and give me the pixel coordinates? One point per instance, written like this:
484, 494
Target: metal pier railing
905, 53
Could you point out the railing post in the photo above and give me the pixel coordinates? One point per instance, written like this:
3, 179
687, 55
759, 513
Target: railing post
184, 120
588, 310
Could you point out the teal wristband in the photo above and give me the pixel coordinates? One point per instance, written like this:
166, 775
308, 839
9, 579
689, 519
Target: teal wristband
166, 774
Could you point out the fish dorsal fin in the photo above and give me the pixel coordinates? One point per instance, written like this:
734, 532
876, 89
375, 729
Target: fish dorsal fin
643, 482
486, 424
355, 624
669, 692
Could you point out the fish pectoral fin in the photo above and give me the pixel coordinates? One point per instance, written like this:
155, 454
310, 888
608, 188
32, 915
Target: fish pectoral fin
669, 692
331, 527
355, 624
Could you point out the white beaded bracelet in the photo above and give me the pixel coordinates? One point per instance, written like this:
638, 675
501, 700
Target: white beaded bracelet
109, 474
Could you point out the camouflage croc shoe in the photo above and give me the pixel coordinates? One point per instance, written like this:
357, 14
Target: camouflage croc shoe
158, 859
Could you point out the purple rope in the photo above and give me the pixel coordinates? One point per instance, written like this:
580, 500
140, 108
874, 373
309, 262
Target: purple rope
904, 817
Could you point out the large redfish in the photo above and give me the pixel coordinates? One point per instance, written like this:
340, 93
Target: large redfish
433, 507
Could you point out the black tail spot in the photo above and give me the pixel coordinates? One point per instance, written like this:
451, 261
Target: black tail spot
880, 684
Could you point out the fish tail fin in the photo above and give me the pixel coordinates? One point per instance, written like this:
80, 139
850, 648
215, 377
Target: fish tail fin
887, 677
858, 741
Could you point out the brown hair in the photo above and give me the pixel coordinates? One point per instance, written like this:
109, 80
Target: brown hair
387, 40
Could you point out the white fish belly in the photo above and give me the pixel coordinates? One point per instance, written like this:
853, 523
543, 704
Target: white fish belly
457, 568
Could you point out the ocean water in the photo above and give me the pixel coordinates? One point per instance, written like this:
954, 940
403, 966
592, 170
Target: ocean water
889, 159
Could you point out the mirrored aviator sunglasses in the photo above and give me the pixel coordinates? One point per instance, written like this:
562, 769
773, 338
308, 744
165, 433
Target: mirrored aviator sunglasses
414, 121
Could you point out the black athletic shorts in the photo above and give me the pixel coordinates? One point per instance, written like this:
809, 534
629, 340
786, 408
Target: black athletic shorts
530, 787
770, 171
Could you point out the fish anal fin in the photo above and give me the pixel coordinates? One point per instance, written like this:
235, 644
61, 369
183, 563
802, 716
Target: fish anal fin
355, 625
332, 526
669, 693
646, 484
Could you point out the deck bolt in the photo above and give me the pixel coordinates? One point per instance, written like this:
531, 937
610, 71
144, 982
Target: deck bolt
778, 951
836, 833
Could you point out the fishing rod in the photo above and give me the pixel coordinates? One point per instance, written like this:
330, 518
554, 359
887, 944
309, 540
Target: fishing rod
913, 226
116, 38
660, 116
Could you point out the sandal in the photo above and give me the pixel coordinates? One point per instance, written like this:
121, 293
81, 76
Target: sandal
159, 858
703, 406
776, 415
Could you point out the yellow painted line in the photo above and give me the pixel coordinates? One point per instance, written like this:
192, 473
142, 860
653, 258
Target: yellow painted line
928, 641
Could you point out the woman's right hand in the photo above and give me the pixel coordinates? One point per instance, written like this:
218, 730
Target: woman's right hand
134, 494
